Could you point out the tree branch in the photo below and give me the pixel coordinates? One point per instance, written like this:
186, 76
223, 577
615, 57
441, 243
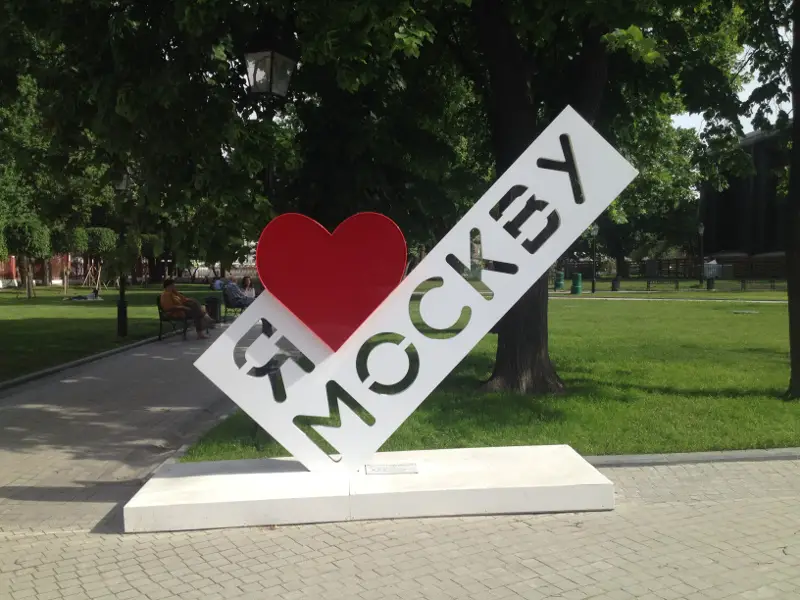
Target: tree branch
472, 70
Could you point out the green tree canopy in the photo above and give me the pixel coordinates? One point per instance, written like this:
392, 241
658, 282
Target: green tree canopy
29, 237
401, 107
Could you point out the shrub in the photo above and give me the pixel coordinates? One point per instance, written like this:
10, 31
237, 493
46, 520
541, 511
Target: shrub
70, 240
102, 241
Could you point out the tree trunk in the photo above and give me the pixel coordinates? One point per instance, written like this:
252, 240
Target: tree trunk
29, 293
793, 217
522, 361
622, 267
65, 272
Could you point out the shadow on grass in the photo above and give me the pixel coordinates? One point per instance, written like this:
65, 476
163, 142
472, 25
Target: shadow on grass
601, 388
459, 402
136, 296
783, 354
30, 345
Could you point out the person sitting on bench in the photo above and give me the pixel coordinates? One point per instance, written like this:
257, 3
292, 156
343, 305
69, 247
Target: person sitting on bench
247, 287
177, 305
236, 296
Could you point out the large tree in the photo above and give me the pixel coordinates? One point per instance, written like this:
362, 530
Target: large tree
157, 88
526, 61
530, 61
44, 187
773, 57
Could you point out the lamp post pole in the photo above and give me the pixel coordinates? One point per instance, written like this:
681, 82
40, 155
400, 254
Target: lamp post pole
593, 231
122, 303
701, 229
269, 72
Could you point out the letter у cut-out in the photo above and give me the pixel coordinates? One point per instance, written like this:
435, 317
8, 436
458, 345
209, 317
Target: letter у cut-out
358, 396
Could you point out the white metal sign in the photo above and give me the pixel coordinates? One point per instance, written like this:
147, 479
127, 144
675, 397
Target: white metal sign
357, 397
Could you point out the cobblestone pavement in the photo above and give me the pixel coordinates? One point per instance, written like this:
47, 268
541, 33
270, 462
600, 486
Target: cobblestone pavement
76, 446
694, 532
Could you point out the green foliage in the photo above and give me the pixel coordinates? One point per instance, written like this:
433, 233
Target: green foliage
152, 245
398, 107
3, 246
398, 90
659, 206
769, 39
102, 241
28, 238
69, 240
420, 162
636, 44
42, 184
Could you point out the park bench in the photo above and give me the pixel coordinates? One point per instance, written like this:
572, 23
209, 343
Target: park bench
173, 321
229, 306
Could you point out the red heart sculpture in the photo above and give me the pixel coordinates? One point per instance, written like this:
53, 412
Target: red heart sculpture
331, 281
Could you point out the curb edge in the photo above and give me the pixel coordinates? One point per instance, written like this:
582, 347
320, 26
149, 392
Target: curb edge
690, 458
5, 385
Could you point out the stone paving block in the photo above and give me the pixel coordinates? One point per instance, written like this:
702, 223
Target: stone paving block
681, 532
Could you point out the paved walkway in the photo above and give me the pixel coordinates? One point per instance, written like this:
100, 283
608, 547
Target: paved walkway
76, 445
71, 452
700, 532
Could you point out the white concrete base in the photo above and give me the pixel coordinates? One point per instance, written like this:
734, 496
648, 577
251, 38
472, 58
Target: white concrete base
427, 483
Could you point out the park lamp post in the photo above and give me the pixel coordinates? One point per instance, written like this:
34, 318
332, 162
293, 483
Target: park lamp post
122, 304
701, 229
593, 231
269, 72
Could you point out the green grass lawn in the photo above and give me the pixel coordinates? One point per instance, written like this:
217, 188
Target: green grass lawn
643, 377
666, 294
46, 331
688, 290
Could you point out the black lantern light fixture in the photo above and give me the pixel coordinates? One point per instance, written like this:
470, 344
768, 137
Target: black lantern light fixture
269, 72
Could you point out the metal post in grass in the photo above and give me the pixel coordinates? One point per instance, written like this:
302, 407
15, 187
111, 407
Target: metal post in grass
701, 229
269, 73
